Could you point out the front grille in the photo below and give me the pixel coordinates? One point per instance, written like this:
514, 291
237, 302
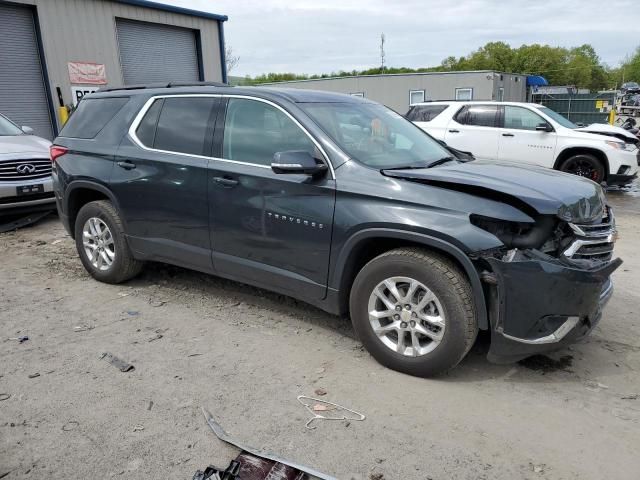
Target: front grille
593, 241
32, 169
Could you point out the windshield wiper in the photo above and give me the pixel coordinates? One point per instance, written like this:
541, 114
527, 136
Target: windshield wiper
440, 161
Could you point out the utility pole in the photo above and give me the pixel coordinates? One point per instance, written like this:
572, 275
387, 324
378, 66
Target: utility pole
382, 53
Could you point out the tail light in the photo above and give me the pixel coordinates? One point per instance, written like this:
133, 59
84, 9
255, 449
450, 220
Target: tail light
56, 151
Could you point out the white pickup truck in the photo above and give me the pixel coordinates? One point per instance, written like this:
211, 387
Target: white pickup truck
531, 134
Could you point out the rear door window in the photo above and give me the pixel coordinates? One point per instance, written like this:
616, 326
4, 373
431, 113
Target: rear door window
424, 113
185, 125
91, 116
478, 115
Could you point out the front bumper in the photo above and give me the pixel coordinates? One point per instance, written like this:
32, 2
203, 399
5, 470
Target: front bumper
542, 304
11, 202
620, 180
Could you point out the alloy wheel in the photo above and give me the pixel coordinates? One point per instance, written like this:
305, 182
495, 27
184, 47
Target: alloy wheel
98, 243
406, 316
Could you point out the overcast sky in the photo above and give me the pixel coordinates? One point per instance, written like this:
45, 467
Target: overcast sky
307, 36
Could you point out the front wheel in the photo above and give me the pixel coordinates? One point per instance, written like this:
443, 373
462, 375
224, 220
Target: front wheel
584, 165
413, 311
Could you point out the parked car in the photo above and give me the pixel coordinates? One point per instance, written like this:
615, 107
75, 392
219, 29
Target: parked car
342, 203
630, 87
25, 170
528, 133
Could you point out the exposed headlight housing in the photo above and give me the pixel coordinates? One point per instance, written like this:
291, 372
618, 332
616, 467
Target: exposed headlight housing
629, 147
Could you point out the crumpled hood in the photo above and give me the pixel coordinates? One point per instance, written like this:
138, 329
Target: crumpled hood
609, 130
24, 144
549, 192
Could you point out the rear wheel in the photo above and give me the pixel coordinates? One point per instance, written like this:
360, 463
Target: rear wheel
101, 243
584, 165
413, 311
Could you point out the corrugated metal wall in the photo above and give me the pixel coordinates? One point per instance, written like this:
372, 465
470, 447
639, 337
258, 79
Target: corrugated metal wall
152, 53
393, 90
22, 90
85, 31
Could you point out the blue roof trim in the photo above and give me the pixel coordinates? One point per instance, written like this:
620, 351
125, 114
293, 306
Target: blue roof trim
174, 9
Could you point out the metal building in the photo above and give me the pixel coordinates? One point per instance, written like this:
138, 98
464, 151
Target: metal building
53, 52
400, 91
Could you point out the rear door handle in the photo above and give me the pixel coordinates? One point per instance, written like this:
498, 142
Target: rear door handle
127, 165
453, 130
508, 135
225, 181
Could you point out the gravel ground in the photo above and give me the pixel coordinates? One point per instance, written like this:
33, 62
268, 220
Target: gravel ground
246, 354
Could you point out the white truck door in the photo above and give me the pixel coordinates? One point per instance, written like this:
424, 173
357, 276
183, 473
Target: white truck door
521, 142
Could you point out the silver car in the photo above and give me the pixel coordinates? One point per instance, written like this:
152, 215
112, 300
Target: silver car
25, 170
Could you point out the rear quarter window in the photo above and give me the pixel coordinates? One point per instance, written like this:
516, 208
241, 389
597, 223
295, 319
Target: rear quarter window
424, 113
91, 116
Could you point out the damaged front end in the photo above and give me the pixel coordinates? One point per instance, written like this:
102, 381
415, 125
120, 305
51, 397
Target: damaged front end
547, 287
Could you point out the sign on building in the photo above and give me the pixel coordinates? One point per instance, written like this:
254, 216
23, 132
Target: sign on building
77, 92
87, 73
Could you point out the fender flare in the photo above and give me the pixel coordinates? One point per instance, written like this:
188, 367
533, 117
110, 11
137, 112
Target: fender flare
585, 149
427, 241
89, 185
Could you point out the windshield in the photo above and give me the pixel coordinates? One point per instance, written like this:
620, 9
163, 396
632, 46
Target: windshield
7, 127
557, 117
376, 135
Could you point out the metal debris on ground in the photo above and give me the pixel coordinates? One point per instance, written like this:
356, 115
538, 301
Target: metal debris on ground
22, 339
117, 362
34, 375
338, 412
72, 425
633, 396
138, 428
4, 396
231, 473
320, 392
278, 462
14, 224
83, 328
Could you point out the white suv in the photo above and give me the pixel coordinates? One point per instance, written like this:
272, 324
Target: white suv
528, 133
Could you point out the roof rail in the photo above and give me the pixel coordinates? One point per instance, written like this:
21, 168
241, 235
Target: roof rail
166, 85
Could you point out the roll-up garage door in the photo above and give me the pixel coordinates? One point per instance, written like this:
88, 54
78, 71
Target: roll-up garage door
22, 92
151, 52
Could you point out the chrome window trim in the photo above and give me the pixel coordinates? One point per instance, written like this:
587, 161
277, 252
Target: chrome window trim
140, 115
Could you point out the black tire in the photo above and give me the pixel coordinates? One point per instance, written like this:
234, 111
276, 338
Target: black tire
124, 266
584, 165
453, 291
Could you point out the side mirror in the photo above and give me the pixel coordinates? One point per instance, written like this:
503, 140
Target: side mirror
27, 130
544, 127
296, 161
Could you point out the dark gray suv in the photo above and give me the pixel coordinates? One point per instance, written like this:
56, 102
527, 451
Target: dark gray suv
342, 203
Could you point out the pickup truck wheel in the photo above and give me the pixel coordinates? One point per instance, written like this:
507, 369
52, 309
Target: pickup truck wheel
584, 165
413, 311
101, 243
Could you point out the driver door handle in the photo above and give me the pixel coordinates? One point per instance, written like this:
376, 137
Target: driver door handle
508, 135
225, 181
127, 165
453, 130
